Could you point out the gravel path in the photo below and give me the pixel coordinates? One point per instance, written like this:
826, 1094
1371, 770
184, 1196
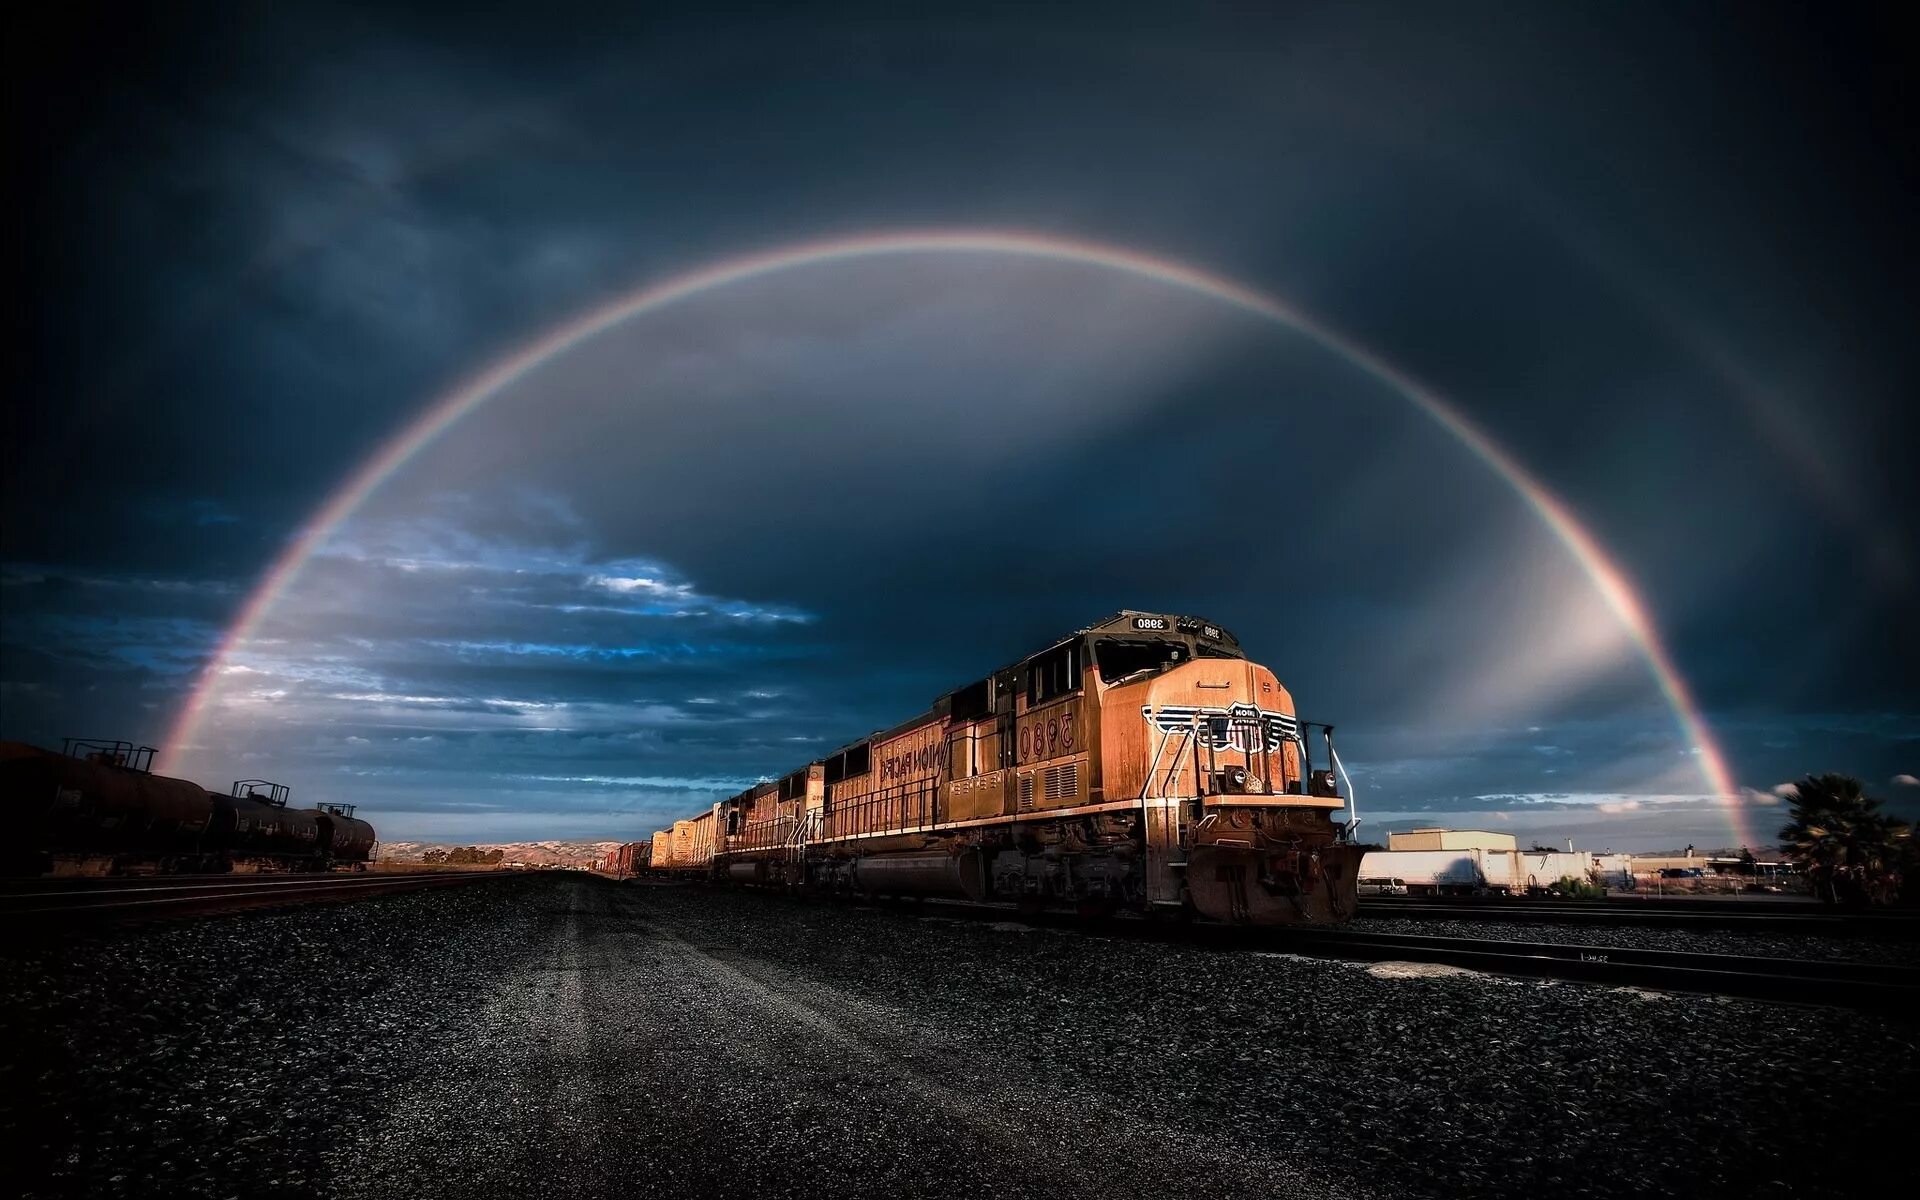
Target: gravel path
639, 1050
1650, 937
561, 1035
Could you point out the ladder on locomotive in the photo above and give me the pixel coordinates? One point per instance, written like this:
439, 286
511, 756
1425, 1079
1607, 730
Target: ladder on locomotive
804, 830
1164, 817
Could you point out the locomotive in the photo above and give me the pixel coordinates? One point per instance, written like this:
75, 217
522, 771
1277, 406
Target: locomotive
96, 805
1140, 764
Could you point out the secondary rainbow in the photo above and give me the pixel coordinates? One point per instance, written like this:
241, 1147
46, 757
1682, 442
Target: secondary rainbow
1611, 581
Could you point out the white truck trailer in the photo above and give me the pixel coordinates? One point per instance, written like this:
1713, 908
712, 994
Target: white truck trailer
1475, 872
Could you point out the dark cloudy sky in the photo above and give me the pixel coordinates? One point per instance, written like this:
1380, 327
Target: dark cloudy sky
1664, 257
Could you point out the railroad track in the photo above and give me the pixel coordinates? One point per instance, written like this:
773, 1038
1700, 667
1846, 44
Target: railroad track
39, 902
1874, 987
1839, 983
1756, 918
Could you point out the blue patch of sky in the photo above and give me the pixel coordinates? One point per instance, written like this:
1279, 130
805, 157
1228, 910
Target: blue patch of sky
591, 653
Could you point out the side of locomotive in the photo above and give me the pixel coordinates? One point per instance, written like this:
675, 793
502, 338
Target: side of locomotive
96, 806
1142, 763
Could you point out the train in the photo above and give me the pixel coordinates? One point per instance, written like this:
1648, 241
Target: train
1141, 764
626, 861
96, 807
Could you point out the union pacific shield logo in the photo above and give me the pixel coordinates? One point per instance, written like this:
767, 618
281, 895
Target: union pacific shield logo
1243, 727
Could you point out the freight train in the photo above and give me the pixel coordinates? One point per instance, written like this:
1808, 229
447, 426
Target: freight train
626, 861
97, 807
1139, 764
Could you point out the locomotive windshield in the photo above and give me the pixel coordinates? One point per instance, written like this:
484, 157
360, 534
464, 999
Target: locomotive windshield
1119, 660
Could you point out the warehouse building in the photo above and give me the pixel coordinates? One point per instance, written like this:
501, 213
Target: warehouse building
1450, 839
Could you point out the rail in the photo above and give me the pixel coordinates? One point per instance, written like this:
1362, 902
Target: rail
26, 903
1839, 983
1831, 982
1751, 917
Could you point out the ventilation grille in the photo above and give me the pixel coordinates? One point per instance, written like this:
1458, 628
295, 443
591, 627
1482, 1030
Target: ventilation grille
1063, 781
1026, 793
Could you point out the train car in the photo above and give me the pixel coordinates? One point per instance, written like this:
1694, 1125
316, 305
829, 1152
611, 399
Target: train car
765, 827
262, 830
96, 807
633, 858
627, 860
344, 837
1140, 763
97, 801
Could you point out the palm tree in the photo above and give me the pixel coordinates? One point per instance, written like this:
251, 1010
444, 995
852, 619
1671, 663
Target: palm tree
1848, 848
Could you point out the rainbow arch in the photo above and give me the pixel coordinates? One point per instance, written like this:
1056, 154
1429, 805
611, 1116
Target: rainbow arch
1612, 583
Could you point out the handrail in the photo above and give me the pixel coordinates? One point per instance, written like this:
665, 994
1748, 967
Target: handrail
913, 805
1353, 817
112, 752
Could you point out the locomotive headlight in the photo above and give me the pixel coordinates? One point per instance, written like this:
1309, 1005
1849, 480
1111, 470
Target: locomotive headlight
1233, 779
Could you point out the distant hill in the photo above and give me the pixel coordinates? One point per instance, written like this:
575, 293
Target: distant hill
533, 854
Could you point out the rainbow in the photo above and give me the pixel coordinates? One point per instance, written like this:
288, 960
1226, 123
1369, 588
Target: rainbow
1606, 575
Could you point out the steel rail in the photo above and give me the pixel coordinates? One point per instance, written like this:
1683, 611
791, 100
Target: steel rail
1834, 982
1758, 918
125, 885
1843, 983
140, 897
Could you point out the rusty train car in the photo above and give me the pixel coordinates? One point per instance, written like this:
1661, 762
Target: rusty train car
96, 806
1142, 763
627, 860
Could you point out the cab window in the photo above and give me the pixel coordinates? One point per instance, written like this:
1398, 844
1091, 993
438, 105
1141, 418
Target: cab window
1054, 673
1119, 660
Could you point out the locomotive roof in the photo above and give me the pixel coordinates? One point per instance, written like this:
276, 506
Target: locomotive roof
1125, 621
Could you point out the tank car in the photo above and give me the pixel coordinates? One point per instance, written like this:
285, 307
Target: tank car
98, 800
1141, 763
344, 837
96, 806
257, 826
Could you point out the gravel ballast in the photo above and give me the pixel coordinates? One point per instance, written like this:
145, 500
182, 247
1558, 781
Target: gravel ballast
217, 1056
569, 1036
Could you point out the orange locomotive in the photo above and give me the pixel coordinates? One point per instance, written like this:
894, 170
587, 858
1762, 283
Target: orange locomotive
1142, 764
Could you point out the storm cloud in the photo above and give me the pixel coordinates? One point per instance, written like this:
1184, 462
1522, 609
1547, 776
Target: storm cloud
1658, 259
